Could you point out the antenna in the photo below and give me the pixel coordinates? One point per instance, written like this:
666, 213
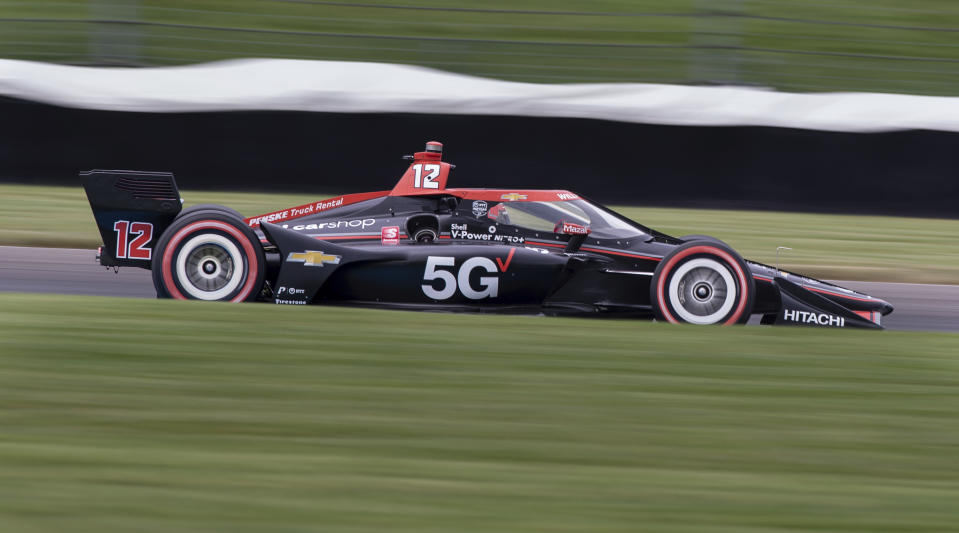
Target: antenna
779, 249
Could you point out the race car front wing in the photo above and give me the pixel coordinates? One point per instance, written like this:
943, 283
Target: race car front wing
803, 307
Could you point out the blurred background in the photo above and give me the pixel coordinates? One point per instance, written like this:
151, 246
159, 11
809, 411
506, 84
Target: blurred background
791, 45
124, 414
804, 46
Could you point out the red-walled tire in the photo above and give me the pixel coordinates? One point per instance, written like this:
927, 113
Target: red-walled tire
703, 282
211, 207
209, 255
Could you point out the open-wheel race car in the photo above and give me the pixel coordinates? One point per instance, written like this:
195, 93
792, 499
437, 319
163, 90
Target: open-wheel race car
422, 245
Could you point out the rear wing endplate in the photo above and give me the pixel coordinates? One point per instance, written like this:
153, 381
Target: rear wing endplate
131, 208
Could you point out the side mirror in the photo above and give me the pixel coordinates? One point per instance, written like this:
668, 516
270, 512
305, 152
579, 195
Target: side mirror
576, 232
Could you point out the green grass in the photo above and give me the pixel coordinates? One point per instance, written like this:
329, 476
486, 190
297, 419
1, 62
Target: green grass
143, 415
827, 246
61, 217
787, 44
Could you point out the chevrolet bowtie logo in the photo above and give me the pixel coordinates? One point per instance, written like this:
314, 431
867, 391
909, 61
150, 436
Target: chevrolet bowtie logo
513, 196
312, 258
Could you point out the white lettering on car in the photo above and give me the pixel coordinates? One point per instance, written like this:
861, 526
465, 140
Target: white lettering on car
295, 212
322, 206
488, 285
289, 290
806, 317
459, 231
338, 224
291, 302
429, 180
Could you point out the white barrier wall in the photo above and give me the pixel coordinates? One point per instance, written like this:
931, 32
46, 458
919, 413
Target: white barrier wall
350, 87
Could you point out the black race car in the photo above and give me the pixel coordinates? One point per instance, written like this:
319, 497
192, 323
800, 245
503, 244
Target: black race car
422, 245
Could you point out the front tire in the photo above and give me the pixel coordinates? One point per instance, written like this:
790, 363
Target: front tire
209, 255
703, 282
698, 237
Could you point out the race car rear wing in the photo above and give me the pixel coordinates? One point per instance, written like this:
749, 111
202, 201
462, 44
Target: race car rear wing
131, 208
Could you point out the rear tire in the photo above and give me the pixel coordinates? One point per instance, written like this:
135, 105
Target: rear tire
703, 282
211, 207
209, 255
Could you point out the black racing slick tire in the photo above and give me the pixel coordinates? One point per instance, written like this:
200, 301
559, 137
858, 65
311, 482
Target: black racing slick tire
703, 282
209, 254
697, 237
211, 207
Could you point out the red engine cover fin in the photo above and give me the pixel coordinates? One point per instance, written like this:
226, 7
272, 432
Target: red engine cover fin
427, 174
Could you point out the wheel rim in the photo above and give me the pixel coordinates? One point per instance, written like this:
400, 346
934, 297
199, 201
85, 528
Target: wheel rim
702, 291
209, 267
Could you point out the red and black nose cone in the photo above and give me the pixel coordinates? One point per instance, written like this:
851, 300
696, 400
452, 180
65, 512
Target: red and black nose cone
434, 146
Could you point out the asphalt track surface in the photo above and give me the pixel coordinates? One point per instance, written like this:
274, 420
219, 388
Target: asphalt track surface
71, 271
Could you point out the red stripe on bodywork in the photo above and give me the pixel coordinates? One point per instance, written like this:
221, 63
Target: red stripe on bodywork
313, 208
626, 254
869, 299
823, 291
344, 237
553, 244
513, 195
596, 250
